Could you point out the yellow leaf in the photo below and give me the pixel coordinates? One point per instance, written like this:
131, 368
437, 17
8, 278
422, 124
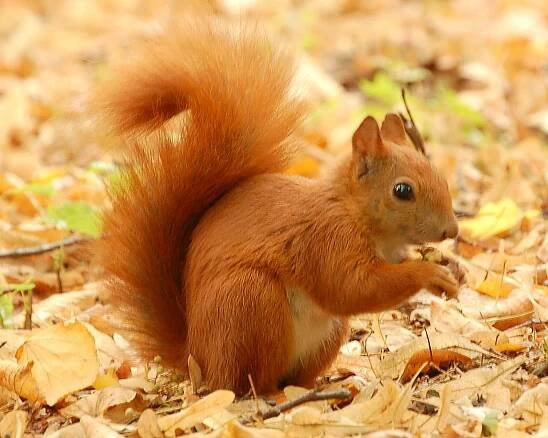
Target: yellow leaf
509, 348
64, 357
18, 379
495, 287
99, 402
494, 219
196, 413
147, 425
13, 424
106, 380
306, 166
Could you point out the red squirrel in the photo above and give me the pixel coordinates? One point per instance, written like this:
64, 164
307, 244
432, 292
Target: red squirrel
210, 249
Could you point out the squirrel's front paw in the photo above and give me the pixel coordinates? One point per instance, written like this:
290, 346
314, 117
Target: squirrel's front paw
439, 280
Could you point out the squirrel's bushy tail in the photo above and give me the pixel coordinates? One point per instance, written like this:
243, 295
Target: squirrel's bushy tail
234, 91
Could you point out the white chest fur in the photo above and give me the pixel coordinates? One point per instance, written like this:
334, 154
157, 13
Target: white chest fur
311, 324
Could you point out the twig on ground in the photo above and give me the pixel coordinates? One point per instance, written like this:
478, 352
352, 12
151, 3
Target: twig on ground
28, 310
40, 249
315, 395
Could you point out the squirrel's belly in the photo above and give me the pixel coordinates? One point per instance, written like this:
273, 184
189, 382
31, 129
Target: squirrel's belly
313, 327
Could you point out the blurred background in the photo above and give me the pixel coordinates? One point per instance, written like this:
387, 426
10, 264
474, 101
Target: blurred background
475, 74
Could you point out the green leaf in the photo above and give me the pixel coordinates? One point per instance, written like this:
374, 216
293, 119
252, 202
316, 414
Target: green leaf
449, 100
383, 89
6, 310
490, 423
39, 189
26, 286
75, 216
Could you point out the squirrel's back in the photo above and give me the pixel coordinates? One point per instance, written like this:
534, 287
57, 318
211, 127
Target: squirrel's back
233, 87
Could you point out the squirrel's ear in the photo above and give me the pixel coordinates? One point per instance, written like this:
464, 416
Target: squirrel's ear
367, 139
392, 129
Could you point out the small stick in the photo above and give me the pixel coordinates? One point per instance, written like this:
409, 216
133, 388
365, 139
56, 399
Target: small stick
411, 128
40, 249
429, 345
28, 310
252, 386
311, 396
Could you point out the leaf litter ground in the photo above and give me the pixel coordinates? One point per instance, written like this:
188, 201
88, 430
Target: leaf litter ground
476, 84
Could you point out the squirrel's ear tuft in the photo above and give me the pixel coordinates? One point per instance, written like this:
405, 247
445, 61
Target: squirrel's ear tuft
367, 139
393, 130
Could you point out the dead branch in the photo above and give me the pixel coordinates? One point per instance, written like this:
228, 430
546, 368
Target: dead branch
40, 249
314, 395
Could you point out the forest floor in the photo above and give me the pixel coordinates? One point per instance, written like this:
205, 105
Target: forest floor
477, 86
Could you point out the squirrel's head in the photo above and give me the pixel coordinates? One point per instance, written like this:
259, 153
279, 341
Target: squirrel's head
395, 188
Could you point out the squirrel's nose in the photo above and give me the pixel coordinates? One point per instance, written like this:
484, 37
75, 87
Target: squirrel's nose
451, 231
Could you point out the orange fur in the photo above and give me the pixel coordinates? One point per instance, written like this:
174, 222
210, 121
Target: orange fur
210, 252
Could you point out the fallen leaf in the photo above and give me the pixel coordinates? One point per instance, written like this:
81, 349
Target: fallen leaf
493, 219
508, 347
107, 379
60, 306
96, 429
393, 365
147, 425
503, 313
97, 403
64, 359
14, 424
11, 340
195, 374
495, 287
377, 411
196, 413
532, 404
447, 319
438, 358
478, 380
18, 379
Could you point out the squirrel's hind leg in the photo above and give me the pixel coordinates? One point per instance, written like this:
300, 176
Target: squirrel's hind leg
239, 327
311, 366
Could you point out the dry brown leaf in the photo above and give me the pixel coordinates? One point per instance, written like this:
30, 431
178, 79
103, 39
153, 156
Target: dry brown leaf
508, 347
14, 424
93, 428
88, 427
18, 379
147, 426
432, 358
532, 404
371, 410
503, 313
196, 413
234, 429
393, 365
138, 383
108, 353
495, 287
11, 340
64, 359
478, 380
97, 403
60, 306
195, 374
445, 318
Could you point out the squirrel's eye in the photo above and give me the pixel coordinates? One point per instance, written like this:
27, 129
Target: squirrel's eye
403, 191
